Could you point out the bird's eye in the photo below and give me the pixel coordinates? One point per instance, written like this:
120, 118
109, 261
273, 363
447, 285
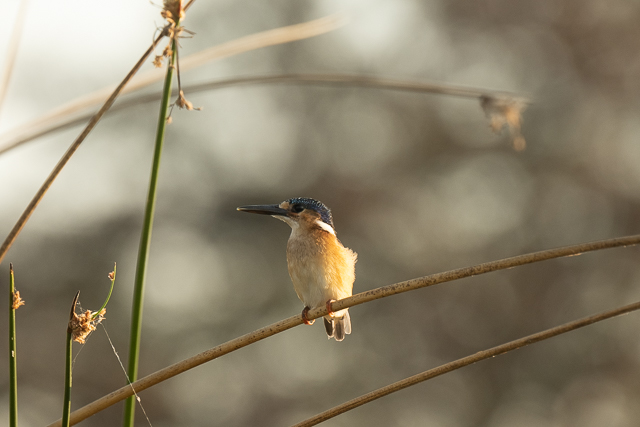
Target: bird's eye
297, 208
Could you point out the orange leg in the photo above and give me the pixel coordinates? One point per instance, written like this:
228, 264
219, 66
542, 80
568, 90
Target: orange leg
329, 311
304, 317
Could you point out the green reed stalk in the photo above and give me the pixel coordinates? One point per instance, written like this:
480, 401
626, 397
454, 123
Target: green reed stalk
66, 407
145, 241
13, 375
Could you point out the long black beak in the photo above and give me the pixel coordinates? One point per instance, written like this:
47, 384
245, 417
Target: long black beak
264, 210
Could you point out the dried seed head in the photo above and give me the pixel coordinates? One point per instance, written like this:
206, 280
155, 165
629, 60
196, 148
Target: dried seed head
174, 32
172, 10
182, 102
506, 112
166, 53
81, 326
157, 62
17, 301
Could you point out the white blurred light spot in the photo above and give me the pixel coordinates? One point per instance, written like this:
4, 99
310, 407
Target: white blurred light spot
185, 271
375, 26
252, 139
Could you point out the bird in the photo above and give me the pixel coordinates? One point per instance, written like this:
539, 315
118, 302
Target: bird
321, 268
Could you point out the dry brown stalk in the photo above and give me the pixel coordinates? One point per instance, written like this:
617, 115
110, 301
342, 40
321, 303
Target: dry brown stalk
361, 298
12, 51
465, 361
333, 79
13, 234
33, 204
77, 108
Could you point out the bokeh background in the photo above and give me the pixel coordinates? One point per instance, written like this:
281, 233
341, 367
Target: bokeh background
418, 184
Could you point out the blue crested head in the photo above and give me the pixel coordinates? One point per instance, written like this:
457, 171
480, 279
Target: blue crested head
298, 204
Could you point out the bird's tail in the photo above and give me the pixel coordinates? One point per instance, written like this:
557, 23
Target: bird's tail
338, 327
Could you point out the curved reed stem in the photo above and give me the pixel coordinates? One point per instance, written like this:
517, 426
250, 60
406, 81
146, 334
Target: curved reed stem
465, 361
12, 51
34, 130
71, 111
361, 298
17, 228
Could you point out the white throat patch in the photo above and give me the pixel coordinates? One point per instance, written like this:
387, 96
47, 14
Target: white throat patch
292, 223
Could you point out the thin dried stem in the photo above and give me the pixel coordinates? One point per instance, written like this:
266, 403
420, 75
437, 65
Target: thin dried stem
12, 51
70, 151
465, 361
62, 115
336, 79
299, 79
385, 291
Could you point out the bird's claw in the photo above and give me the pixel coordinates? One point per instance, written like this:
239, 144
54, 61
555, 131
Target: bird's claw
329, 311
305, 320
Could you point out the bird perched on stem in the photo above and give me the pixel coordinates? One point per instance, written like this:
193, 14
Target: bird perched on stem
321, 269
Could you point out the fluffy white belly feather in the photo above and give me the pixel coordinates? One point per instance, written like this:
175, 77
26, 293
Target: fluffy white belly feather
321, 269
310, 282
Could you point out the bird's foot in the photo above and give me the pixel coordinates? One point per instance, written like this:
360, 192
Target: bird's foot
305, 320
329, 311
